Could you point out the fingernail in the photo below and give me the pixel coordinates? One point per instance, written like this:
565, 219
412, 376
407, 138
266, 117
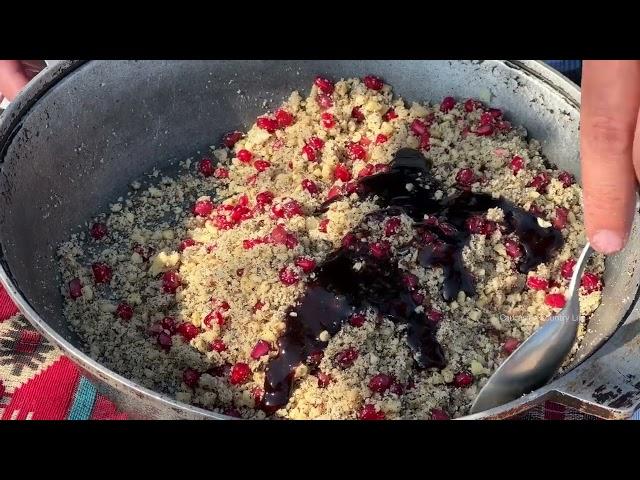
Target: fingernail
607, 241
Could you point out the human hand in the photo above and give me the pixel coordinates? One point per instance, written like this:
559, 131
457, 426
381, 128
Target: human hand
610, 150
15, 74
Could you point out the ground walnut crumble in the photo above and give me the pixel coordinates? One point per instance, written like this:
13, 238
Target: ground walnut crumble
192, 285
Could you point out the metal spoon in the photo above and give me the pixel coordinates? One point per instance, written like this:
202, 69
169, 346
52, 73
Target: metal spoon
540, 356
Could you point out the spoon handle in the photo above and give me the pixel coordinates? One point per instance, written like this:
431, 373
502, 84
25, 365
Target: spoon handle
578, 269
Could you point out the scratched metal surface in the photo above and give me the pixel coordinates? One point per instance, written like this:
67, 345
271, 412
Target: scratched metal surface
77, 136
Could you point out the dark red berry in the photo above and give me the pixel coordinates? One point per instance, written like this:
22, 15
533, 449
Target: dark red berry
322, 226
101, 272
98, 231
438, 414
218, 346
264, 198
310, 186
447, 104
513, 248
288, 276
369, 412
510, 345
357, 114
463, 379
244, 156
203, 208
465, 177
283, 118
205, 167
372, 82
355, 151
380, 383
346, 357
555, 300
306, 264
124, 311
171, 281
231, 138
341, 172
567, 269
190, 377
537, 283
566, 178
267, 123
188, 331
390, 115
560, 219
260, 349
540, 182
357, 319
239, 373
75, 288
516, 164
324, 85
590, 282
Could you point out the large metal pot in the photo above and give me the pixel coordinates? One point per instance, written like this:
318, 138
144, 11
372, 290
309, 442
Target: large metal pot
82, 131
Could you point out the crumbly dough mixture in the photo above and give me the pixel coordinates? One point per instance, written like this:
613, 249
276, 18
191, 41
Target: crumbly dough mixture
184, 285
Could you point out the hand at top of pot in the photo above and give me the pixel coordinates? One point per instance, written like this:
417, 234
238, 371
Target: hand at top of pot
15, 74
610, 150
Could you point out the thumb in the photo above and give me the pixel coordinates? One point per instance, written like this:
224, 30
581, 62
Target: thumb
12, 78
